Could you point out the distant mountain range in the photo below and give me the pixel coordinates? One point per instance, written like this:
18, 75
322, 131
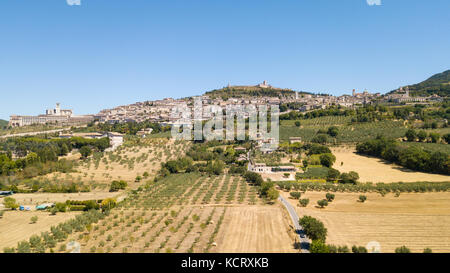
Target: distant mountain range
438, 84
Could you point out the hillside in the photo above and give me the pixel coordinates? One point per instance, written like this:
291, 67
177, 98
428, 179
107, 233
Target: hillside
250, 91
438, 84
3, 123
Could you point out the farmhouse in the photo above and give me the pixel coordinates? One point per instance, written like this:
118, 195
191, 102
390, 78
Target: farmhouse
263, 168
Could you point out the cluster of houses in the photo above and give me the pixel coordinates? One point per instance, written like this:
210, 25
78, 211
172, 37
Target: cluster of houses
160, 110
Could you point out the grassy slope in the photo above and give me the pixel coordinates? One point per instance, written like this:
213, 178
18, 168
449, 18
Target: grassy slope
3, 123
436, 84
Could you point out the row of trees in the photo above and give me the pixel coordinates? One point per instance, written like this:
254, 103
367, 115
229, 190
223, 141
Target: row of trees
382, 188
331, 111
422, 136
266, 189
129, 128
413, 158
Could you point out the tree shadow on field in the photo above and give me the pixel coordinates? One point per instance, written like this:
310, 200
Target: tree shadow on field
385, 162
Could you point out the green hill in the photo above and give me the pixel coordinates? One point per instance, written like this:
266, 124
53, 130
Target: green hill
438, 84
3, 123
250, 91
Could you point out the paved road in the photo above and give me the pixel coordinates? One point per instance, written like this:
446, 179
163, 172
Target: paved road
304, 242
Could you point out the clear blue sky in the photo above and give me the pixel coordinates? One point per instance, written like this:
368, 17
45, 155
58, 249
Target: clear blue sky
105, 53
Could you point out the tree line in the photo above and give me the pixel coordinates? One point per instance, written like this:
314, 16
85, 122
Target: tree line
413, 158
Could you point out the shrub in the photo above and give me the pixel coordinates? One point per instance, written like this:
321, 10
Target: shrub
318, 246
295, 194
108, 204
34, 219
362, 198
327, 160
435, 137
330, 197
23, 247
333, 131
322, 203
402, 249
35, 240
333, 174
61, 207
254, 178
320, 138
85, 151
9, 250
10, 203
411, 135
118, 185
349, 178
359, 249
304, 202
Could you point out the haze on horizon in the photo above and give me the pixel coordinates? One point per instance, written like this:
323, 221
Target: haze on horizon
102, 54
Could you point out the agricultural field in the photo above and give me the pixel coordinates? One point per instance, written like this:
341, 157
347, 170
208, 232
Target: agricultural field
16, 226
416, 220
371, 169
348, 133
126, 163
257, 230
187, 213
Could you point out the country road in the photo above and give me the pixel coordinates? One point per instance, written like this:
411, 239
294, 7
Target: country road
304, 242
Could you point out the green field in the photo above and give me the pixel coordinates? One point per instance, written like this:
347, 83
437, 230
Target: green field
348, 132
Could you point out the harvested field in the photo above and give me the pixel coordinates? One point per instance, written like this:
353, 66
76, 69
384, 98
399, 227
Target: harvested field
15, 226
416, 220
255, 229
371, 169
